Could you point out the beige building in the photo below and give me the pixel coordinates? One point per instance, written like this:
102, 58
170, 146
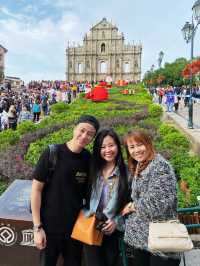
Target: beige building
15, 82
2, 62
103, 55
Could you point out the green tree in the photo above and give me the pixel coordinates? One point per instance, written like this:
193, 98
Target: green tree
171, 74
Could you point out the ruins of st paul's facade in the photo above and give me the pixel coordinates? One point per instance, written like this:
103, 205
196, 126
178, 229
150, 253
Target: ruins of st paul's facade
104, 56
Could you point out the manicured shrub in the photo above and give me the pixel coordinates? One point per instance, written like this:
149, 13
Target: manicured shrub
183, 198
3, 186
122, 112
59, 107
192, 177
176, 142
181, 160
166, 129
155, 110
36, 148
26, 126
9, 136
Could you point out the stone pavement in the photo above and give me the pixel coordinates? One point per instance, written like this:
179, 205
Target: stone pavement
192, 258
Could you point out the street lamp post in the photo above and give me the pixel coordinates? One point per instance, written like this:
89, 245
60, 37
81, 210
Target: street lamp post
189, 31
160, 58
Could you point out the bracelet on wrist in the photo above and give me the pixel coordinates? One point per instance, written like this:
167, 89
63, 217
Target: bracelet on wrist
37, 228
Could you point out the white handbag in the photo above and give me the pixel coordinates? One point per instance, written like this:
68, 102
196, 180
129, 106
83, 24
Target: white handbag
169, 236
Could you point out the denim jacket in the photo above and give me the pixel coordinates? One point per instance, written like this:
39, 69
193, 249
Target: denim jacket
110, 209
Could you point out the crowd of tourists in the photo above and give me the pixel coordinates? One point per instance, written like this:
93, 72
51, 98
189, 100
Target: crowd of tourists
173, 97
33, 101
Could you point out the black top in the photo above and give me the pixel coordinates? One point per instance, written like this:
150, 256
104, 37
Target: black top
62, 196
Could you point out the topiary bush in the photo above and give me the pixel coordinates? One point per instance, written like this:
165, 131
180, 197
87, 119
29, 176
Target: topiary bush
192, 177
26, 126
59, 108
166, 129
9, 136
181, 160
155, 110
176, 141
3, 186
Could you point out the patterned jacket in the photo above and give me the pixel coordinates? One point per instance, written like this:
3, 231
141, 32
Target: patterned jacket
154, 197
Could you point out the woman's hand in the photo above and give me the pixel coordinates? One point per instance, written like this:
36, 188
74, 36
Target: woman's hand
128, 208
109, 227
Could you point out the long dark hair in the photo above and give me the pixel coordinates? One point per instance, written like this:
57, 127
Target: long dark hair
98, 163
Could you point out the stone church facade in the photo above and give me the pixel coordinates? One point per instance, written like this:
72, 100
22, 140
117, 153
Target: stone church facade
2, 62
103, 55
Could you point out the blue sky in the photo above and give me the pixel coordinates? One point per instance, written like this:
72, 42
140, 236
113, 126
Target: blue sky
36, 32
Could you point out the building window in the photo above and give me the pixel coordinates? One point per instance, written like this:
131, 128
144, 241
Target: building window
117, 63
103, 48
79, 68
103, 67
87, 64
126, 67
136, 64
103, 35
70, 64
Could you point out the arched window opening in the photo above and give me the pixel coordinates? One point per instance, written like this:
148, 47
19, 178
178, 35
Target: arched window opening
88, 64
117, 63
79, 68
103, 48
126, 67
103, 67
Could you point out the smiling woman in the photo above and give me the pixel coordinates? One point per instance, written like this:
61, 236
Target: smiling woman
153, 198
109, 192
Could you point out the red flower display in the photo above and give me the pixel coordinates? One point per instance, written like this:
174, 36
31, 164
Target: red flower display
192, 68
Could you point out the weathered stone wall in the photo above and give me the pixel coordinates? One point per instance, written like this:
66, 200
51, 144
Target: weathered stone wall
104, 54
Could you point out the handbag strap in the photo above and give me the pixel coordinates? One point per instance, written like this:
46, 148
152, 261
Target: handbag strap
164, 221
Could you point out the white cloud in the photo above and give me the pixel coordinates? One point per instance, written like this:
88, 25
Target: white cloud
37, 46
4, 10
60, 3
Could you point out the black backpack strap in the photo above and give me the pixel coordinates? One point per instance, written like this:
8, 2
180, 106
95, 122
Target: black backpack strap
53, 157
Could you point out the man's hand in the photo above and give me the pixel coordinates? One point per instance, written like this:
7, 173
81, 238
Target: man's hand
40, 239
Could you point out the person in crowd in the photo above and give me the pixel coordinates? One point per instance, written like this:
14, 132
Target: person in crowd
153, 198
12, 117
176, 102
25, 114
169, 99
44, 99
161, 93
3, 119
109, 191
186, 95
69, 95
36, 110
57, 200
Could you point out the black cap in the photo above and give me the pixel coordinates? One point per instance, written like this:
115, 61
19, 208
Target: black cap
90, 120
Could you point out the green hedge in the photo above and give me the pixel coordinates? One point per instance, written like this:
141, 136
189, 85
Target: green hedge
166, 137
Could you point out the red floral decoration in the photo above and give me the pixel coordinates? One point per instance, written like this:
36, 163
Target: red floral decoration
192, 68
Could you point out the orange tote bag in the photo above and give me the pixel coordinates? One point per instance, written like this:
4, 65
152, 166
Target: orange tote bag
85, 230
